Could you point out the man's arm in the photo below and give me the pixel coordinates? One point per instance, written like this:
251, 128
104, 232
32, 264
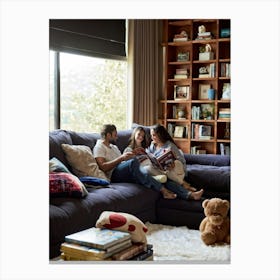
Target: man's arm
109, 165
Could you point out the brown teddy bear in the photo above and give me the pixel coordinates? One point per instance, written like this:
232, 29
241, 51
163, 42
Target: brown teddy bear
215, 227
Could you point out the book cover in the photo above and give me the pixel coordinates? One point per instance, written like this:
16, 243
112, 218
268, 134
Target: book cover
130, 252
98, 238
162, 162
74, 257
145, 255
205, 131
86, 252
179, 131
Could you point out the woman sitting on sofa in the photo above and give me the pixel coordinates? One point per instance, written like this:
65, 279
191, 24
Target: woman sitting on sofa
162, 142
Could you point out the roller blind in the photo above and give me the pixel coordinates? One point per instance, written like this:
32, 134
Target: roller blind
98, 38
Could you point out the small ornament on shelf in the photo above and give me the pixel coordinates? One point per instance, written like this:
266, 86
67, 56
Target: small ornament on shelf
205, 52
203, 34
203, 72
182, 37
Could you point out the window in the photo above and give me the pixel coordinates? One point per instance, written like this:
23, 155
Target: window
93, 91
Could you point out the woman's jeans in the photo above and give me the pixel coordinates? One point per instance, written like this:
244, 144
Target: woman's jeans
130, 171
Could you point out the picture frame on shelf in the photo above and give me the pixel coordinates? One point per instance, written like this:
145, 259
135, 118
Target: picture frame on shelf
179, 131
203, 91
207, 111
183, 56
181, 92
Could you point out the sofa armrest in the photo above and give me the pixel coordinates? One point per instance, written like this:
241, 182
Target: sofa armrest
210, 159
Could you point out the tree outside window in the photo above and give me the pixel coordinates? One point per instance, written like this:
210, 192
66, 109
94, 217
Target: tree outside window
93, 92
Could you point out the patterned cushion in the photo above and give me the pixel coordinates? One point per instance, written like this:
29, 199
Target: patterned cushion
56, 165
65, 184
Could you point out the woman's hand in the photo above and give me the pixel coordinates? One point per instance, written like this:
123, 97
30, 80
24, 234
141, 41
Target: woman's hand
170, 166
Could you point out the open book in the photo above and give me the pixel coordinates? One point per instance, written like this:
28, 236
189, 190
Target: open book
162, 162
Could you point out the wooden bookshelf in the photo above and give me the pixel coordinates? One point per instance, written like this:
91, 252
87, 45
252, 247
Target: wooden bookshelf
186, 54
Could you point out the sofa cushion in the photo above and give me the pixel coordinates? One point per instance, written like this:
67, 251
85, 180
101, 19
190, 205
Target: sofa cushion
210, 178
81, 159
123, 138
56, 138
209, 159
84, 138
56, 165
66, 184
93, 181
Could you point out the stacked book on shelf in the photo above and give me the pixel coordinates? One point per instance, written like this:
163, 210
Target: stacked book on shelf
204, 36
225, 69
225, 149
181, 73
195, 112
201, 131
224, 113
196, 150
181, 37
95, 244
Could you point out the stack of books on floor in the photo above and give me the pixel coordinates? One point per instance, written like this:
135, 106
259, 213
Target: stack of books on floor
95, 244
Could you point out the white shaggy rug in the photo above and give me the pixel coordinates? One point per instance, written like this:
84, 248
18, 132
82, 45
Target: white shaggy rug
180, 244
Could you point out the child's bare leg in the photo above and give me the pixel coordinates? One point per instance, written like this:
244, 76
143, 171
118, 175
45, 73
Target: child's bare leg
196, 195
188, 187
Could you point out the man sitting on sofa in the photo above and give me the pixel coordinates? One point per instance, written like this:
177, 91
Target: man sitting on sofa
123, 167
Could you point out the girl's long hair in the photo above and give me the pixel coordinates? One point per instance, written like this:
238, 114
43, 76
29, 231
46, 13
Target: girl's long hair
163, 134
132, 143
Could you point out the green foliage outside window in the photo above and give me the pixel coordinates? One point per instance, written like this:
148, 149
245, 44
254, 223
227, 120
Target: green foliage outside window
93, 92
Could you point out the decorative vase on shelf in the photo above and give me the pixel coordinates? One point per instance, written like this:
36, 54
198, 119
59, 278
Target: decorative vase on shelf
181, 114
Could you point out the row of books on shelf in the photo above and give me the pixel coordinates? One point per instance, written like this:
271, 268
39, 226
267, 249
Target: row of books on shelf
95, 244
204, 111
225, 69
201, 131
224, 149
224, 113
198, 150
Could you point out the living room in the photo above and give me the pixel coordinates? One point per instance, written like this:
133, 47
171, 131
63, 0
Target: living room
208, 173
156, 105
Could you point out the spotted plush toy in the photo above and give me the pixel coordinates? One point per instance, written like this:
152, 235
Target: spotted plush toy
123, 222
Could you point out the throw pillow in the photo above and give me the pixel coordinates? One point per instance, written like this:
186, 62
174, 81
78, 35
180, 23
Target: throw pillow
94, 181
123, 222
56, 165
66, 184
83, 163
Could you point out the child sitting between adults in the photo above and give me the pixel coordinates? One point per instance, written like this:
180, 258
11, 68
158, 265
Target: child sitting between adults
161, 143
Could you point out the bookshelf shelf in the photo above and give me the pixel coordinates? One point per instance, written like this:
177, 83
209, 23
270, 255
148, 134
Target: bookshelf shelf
218, 67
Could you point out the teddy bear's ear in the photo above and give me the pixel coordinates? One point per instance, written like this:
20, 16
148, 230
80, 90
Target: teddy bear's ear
226, 203
205, 202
